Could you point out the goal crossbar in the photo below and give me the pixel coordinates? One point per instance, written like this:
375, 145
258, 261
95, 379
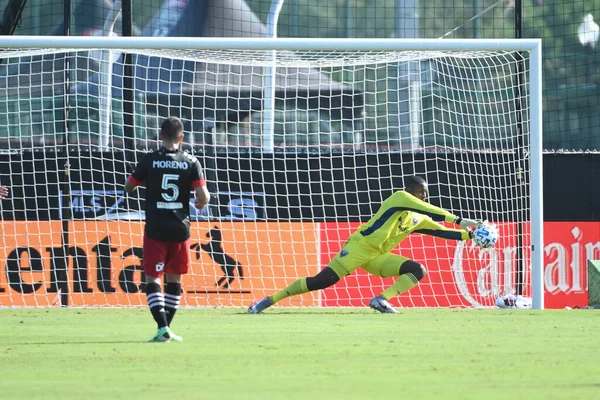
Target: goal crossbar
212, 43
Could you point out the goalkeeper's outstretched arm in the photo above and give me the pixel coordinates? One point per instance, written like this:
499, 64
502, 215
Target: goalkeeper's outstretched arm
414, 198
410, 201
428, 227
466, 223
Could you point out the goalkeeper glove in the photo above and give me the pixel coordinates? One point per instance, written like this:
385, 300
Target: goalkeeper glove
466, 223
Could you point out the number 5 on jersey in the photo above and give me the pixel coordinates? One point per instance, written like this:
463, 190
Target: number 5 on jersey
170, 193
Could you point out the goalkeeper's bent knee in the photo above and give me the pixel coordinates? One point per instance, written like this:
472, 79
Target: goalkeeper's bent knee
413, 267
322, 280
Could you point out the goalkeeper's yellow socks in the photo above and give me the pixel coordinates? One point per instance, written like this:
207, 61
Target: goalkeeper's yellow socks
298, 287
403, 283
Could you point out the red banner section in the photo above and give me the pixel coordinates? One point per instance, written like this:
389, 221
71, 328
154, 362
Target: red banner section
462, 275
104, 263
568, 246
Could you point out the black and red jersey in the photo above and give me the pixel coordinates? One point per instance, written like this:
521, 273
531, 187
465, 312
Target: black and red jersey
169, 176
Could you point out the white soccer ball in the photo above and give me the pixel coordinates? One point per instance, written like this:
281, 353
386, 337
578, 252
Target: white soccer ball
485, 235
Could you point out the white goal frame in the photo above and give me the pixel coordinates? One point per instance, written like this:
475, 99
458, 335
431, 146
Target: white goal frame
533, 46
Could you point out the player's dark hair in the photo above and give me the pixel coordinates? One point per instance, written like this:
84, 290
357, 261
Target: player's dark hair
171, 128
411, 182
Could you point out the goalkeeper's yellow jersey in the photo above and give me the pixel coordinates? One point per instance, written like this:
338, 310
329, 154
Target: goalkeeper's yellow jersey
400, 215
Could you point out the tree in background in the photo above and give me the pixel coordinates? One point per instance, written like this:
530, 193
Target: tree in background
568, 100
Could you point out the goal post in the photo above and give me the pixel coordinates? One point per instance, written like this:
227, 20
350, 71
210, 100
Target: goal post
350, 122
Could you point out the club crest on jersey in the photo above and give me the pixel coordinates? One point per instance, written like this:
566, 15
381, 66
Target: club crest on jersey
343, 253
415, 220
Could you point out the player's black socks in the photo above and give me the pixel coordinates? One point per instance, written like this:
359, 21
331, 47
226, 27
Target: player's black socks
156, 303
172, 299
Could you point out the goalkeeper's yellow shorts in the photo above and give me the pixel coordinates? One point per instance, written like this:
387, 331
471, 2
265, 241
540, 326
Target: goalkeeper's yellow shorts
353, 255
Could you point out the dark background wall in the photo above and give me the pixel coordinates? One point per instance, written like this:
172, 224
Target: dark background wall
344, 187
572, 187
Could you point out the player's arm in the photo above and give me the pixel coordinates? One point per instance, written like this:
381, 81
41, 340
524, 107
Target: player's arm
431, 228
138, 176
435, 213
131, 184
202, 196
3, 192
199, 186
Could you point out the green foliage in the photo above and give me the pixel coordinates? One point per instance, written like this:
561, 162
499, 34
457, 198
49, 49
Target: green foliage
570, 101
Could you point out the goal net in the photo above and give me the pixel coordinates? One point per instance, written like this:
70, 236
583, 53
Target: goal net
300, 141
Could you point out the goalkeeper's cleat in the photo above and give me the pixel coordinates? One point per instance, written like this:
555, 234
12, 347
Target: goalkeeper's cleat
380, 304
259, 306
165, 335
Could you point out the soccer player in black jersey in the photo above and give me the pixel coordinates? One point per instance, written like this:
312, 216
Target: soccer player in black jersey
169, 175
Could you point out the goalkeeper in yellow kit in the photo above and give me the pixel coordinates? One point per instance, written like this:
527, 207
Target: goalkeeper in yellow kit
404, 212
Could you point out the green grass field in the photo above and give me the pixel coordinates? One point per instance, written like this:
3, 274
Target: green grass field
301, 354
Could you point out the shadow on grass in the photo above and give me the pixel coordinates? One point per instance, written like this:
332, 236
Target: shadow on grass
72, 342
313, 312
582, 385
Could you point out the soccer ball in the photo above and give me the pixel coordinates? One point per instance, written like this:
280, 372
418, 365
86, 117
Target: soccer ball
485, 235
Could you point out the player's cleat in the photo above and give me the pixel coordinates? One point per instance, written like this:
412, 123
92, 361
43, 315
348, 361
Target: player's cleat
162, 336
165, 335
259, 306
174, 337
380, 304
